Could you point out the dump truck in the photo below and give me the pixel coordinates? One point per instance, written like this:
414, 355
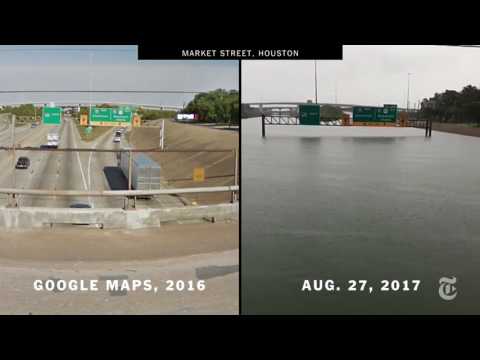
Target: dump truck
145, 171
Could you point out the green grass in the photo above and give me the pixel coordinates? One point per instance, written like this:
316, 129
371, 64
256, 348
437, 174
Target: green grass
97, 131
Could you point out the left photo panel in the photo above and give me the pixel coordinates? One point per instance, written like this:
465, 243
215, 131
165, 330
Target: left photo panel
119, 183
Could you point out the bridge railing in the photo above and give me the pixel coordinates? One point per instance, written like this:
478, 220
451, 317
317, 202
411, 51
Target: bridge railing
126, 194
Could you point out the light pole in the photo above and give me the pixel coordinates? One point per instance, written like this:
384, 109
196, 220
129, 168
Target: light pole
316, 100
90, 87
408, 93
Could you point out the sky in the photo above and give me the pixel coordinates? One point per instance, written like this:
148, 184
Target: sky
106, 68
367, 75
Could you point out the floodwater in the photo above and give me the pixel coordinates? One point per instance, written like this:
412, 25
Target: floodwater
345, 203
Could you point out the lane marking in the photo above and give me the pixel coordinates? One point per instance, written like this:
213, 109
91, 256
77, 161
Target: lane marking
88, 170
80, 164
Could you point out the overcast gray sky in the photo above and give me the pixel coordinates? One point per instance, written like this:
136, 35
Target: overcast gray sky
367, 75
111, 68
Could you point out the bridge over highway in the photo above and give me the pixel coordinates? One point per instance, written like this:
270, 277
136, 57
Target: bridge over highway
83, 102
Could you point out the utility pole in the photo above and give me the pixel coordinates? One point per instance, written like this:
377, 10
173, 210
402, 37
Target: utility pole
162, 135
316, 100
234, 195
13, 158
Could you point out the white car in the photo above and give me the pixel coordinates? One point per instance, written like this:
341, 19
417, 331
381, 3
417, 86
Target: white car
116, 139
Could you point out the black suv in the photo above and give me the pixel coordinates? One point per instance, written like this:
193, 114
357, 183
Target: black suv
22, 163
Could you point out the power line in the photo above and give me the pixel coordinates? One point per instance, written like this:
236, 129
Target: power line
104, 91
61, 49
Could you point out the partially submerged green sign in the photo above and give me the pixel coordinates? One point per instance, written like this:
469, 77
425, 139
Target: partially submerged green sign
388, 113
364, 113
52, 116
309, 114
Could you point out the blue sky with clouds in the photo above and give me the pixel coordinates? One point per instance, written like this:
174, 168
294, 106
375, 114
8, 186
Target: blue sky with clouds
106, 68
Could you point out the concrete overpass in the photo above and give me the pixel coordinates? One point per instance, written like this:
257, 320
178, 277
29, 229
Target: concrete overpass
96, 102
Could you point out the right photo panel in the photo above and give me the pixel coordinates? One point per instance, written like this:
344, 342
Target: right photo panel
360, 188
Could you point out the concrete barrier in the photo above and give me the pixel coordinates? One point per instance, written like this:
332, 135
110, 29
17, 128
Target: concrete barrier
38, 217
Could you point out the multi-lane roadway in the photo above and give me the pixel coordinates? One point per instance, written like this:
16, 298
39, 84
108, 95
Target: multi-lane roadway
58, 170
66, 170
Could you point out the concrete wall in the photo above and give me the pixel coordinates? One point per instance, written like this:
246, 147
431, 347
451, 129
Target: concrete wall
37, 217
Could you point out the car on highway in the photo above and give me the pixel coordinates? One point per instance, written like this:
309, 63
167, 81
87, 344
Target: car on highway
23, 162
117, 137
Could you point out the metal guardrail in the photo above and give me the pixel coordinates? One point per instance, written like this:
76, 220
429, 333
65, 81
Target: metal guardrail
126, 194
119, 193
155, 150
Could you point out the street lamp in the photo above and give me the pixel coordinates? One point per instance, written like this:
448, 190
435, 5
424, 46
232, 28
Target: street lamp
408, 93
316, 100
90, 86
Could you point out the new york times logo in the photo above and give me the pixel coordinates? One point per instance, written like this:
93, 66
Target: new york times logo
447, 289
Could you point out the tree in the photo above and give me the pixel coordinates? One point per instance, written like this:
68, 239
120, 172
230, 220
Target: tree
453, 106
219, 106
330, 112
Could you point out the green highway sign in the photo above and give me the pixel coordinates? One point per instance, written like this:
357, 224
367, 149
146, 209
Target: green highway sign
122, 114
110, 117
387, 113
100, 114
364, 113
309, 114
52, 116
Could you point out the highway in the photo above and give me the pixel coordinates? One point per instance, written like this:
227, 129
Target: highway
58, 170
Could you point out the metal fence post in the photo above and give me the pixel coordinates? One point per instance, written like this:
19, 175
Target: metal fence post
13, 150
163, 134
130, 170
234, 195
263, 125
130, 159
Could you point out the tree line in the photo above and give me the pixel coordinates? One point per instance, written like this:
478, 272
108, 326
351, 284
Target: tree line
22, 110
149, 114
453, 106
219, 106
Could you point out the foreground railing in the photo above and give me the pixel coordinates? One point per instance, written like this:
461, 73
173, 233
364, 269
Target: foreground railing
126, 194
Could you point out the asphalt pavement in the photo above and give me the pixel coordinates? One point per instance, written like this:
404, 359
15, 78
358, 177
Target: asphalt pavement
56, 170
